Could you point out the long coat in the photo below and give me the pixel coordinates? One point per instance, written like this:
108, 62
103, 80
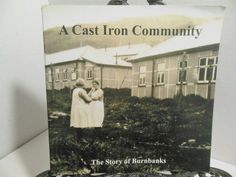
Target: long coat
80, 109
97, 107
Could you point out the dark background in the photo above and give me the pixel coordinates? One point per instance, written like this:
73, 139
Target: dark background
178, 130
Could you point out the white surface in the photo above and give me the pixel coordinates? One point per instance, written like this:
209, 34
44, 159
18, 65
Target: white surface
224, 122
141, 2
33, 158
27, 161
22, 85
97, 2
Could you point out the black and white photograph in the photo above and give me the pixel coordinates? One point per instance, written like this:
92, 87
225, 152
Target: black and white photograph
131, 92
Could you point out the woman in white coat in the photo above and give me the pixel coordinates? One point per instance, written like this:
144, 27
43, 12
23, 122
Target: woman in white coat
80, 108
97, 105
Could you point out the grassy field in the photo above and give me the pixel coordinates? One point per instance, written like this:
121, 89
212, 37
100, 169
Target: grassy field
177, 130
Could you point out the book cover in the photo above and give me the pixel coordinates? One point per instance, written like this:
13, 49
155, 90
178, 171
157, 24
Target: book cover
130, 89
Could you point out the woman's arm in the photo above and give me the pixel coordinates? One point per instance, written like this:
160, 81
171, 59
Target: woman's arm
98, 95
90, 92
85, 96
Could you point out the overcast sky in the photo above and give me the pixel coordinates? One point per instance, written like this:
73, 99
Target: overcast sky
58, 15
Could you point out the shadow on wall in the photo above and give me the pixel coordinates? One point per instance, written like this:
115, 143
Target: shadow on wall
30, 120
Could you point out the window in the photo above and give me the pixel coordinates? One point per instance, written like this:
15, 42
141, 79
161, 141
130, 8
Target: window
161, 73
73, 75
183, 64
65, 74
57, 75
182, 72
142, 76
207, 69
90, 73
49, 75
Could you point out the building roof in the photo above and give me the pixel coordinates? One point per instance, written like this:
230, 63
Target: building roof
86, 53
133, 49
66, 56
99, 57
210, 35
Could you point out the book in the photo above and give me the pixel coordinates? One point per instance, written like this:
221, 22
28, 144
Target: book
130, 89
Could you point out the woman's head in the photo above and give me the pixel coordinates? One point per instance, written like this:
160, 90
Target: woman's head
80, 83
95, 84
